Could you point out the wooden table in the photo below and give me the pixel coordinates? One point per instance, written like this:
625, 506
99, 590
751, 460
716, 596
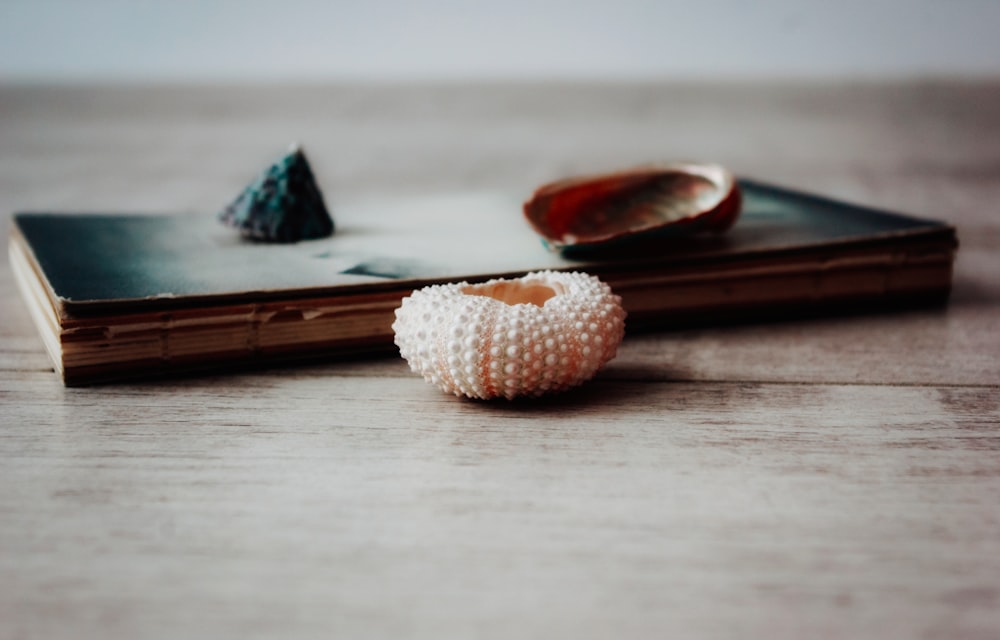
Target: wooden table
828, 478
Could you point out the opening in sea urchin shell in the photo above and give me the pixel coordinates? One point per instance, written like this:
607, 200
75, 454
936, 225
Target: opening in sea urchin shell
514, 292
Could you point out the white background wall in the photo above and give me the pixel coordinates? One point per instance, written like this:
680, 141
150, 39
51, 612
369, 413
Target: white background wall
420, 39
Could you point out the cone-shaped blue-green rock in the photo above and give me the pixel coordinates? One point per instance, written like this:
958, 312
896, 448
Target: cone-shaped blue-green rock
283, 204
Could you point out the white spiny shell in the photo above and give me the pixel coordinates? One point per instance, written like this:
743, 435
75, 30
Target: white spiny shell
545, 332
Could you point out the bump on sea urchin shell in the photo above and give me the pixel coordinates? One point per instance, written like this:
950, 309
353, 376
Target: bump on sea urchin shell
547, 331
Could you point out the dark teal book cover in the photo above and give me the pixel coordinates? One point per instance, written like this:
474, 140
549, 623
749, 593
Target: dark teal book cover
94, 262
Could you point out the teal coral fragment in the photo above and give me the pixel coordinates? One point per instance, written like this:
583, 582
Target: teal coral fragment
283, 204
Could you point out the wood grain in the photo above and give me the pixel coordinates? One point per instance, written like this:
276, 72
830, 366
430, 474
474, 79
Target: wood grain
831, 478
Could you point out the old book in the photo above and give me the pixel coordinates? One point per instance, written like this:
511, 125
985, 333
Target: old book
121, 296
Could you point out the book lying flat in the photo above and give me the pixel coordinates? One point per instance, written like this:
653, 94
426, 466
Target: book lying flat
121, 296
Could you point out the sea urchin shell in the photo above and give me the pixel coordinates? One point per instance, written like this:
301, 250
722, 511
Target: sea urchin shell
545, 332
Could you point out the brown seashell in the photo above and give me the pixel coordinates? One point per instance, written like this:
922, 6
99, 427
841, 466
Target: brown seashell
610, 209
